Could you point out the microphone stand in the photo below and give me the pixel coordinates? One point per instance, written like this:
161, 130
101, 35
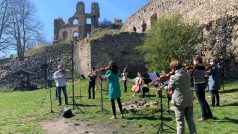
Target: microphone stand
101, 97
46, 87
73, 95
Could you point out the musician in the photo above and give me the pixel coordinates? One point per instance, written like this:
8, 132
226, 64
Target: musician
60, 82
91, 83
138, 84
124, 78
198, 77
214, 82
182, 97
114, 92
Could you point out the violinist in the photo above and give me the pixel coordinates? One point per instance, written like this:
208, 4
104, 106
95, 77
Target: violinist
214, 82
182, 97
136, 88
91, 83
198, 76
114, 92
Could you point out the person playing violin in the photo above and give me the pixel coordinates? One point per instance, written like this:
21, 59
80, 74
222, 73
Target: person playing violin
182, 97
198, 76
136, 88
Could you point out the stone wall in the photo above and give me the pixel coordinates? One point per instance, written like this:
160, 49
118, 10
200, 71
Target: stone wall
217, 18
119, 47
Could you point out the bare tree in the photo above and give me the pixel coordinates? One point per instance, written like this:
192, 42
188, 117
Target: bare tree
25, 30
4, 25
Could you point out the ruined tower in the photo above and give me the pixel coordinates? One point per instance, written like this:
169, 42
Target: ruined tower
77, 26
95, 14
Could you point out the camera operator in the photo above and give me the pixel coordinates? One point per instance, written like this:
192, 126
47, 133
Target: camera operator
59, 77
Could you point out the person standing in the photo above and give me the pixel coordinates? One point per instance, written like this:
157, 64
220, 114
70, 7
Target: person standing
114, 92
198, 76
59, 77
214, 82
124, 78
182, 97
91, 83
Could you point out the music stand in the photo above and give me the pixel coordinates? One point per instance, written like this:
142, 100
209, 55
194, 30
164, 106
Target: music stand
161, 129
101, 98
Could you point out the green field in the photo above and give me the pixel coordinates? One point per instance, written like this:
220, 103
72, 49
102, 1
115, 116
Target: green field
23, 112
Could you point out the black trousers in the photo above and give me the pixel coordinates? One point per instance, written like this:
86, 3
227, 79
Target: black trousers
114, 107
91, 88
125, 86
200, 93
215, 96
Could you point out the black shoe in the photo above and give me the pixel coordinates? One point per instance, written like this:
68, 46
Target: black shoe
218, 105
59, 104
212, 105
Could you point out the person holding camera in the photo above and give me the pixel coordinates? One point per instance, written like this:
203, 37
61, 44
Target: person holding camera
59, 77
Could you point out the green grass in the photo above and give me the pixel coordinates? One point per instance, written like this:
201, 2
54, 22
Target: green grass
22, 112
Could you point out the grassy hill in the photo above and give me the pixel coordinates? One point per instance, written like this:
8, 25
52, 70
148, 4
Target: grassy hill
23, 112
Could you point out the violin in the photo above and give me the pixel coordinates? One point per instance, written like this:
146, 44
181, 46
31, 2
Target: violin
209, 67
189, 68
166, 77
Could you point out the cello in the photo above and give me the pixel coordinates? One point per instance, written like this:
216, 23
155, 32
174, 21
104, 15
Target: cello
136, 87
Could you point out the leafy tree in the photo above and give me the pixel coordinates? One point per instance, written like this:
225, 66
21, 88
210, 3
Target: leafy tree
169, 38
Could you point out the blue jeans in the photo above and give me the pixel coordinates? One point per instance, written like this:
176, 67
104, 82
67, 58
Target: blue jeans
59, 94
200, 93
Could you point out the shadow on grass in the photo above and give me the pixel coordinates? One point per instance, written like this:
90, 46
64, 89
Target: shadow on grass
229, 91
227, 119
231, 104
152, 118
83, 105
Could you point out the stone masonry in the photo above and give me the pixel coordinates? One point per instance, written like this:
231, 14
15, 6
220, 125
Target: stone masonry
120, 47
77, 24
217, 19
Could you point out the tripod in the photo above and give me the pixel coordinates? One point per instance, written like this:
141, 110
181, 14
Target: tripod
162, 124
101, 98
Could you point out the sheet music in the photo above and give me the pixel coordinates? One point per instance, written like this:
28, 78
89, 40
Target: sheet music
154, 77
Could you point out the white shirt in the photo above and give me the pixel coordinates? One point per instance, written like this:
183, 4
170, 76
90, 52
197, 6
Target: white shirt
59, 79
124, 76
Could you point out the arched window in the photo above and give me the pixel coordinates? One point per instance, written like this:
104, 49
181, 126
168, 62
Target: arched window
75, 21
153, 20
65, 35
76, 35
134, 29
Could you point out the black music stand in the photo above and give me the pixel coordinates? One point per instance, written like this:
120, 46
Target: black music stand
101, 98
162, 124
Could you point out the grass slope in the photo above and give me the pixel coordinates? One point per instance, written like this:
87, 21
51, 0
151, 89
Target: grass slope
22, 112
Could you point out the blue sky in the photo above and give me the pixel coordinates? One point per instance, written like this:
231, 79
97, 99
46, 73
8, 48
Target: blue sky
48, 10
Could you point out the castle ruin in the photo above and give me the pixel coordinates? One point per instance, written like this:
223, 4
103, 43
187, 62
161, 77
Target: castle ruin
77, 24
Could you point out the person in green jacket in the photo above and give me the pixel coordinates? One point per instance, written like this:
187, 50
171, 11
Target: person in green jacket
114, 91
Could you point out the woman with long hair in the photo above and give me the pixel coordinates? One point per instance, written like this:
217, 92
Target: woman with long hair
114, 91
198, 76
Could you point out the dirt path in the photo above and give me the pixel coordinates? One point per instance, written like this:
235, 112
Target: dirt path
84, 126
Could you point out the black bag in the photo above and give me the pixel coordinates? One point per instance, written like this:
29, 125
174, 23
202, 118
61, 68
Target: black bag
67, 113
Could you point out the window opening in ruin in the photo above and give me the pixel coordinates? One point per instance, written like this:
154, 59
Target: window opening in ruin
88, 21
134, 29
144, 26
76, 35
65, 35
153, 20
75, 21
